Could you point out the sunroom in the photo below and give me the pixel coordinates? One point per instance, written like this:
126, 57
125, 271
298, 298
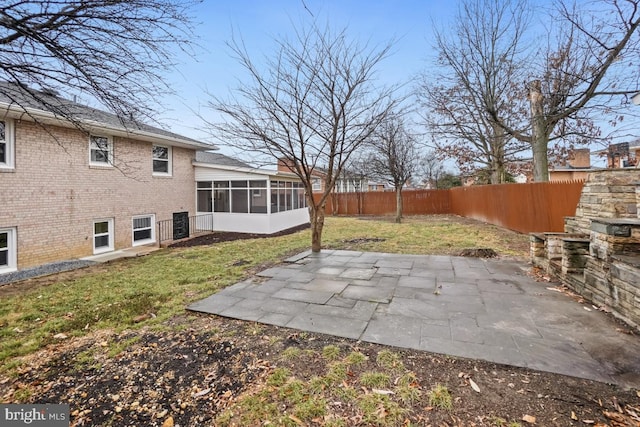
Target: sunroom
239, 198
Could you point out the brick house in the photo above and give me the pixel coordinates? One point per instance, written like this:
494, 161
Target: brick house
576, 167
622, 155
67, 192
346, 183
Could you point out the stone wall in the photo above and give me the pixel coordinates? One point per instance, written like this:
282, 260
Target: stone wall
608, 193
598, 256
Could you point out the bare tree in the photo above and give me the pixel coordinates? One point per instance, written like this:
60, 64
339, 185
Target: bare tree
589, 55
479, 63
113, 51
592, 63
393, 157
313, 105
430, 169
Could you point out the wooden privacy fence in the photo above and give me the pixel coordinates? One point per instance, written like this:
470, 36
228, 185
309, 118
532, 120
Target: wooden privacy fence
416, 202
526, 208
533, 207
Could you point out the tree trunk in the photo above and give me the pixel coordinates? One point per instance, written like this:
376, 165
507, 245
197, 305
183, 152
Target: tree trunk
497, 155
539, 136
335, 201
316, 214
398, 205
497, 172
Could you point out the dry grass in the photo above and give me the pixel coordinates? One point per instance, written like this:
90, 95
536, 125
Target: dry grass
159, 286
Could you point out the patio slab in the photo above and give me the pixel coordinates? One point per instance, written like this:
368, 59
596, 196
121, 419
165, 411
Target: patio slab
464, 307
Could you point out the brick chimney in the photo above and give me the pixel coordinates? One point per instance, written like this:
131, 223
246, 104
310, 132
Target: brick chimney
285, 165
580, 158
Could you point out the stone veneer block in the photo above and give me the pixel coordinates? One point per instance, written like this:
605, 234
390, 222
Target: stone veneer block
605, 269
611, 229
536, 245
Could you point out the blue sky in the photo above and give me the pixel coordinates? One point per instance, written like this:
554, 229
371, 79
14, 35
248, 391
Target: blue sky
259, 23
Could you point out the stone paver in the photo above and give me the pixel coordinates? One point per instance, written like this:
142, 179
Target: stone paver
465, 307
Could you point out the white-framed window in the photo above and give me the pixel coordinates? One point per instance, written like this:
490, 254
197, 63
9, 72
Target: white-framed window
161, 160
100, 150
316, 185
6, 144
143, 229
102, 235
8, 252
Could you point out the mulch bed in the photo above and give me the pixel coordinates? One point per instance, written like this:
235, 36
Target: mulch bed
199, 365
227, 236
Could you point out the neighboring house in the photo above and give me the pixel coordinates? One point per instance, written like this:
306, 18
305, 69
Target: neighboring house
246, 199
577, 167
346, 183
67, 193
377, 186
623, 155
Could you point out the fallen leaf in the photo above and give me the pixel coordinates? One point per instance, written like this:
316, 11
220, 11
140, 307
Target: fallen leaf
202, 392
586, 308
618, 418
616, 405
529, 419
168, 422
474, 386
296, 420
574, 416
141, 318
383, 392
60, 336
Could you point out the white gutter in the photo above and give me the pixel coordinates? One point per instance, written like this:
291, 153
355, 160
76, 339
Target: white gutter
33, 114
268, 172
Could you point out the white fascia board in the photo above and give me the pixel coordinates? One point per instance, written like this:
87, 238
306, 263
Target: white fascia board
46, 117
254, 171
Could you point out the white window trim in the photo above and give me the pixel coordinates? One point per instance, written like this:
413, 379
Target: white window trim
153, 231
109, 162
103, 249
12, 245
169, 160
9, 162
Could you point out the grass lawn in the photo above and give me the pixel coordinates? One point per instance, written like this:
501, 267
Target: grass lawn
119, 294
114, 342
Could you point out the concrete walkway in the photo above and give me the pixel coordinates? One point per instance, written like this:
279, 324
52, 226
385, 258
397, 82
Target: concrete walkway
467, 307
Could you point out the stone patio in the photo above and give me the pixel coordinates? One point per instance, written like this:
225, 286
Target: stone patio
467, 307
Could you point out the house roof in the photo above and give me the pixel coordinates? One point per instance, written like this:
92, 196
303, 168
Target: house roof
605, 151
568, 167
219, 159
48, 108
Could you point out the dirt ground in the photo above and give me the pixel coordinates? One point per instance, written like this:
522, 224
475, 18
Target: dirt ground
199, 365
193, 367
219, 236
